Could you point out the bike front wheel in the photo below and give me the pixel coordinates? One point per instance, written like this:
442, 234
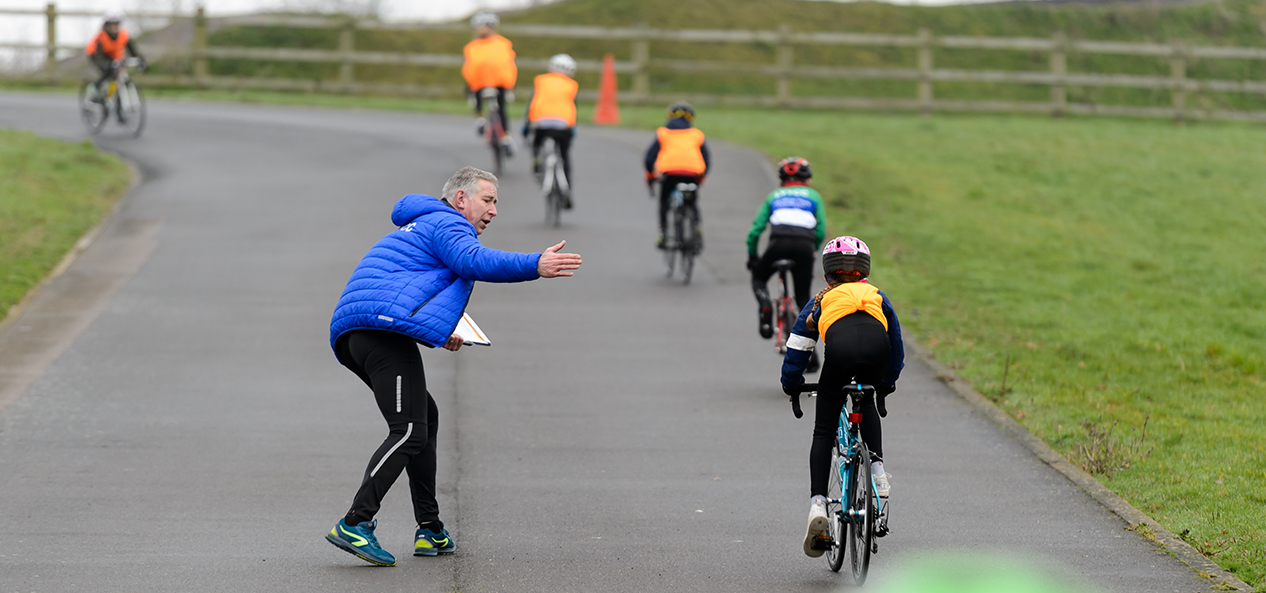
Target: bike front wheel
837, 528
93, 108
861, 524
131, 108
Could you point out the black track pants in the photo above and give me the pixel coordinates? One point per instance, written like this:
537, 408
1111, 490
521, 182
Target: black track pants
857, 349
391, 365
800, 251
563, 139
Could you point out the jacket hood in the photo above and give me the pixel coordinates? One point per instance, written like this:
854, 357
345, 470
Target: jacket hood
678, 123
412, 206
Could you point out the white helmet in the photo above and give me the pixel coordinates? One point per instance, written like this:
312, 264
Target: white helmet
111, 16
484, 18
562, 64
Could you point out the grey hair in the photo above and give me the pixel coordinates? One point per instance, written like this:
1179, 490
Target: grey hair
467, 179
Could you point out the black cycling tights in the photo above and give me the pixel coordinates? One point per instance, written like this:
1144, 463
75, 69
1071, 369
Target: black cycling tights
857, 349
391, 365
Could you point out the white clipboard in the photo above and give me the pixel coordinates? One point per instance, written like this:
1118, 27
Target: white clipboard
470, 333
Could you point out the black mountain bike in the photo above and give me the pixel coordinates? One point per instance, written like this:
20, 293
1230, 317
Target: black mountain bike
681, 244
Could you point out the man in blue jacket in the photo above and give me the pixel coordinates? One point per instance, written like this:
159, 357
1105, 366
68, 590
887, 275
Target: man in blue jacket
412, 287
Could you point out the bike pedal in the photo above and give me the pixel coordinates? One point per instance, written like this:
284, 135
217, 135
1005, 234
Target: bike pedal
874, 547
822, 543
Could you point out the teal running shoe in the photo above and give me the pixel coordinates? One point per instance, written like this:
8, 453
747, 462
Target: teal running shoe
430, 543
359, 541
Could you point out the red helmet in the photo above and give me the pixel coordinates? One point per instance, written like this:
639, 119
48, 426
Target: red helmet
794, 168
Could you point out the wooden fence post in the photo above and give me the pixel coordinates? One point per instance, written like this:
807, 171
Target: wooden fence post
1178, 81
346, 45
200, 44
1059, 69
641, 59
785, 59
925, 72
50, 58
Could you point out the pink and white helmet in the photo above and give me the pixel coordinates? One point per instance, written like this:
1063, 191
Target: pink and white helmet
846, 254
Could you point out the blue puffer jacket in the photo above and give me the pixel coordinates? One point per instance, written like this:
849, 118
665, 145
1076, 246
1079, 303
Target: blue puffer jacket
417, 280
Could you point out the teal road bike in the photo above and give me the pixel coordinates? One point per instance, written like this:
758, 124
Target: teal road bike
858, 516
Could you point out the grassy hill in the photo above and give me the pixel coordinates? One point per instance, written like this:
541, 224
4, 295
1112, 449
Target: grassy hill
1228, 22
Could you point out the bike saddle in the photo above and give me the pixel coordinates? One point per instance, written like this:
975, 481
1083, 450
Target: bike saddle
687, 187
784, 264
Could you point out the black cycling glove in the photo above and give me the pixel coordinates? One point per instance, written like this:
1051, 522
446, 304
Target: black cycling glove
751, 263
794, 389
879, 403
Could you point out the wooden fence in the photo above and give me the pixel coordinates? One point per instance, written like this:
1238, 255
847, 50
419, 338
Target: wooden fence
637, 42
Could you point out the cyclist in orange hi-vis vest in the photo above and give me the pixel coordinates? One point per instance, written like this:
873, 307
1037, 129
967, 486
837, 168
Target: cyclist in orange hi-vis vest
490, 64
107, 47
678, 155
552, 114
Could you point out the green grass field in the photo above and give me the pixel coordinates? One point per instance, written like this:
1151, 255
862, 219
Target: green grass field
51, 193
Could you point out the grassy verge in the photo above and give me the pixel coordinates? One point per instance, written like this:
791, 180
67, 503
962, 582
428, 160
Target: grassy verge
51, 193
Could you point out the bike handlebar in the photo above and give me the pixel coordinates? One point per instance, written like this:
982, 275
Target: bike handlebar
812, 387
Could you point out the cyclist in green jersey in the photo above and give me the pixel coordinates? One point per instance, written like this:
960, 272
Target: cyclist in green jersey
797, 228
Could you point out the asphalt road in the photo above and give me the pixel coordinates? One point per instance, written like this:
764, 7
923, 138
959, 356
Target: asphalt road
623, 433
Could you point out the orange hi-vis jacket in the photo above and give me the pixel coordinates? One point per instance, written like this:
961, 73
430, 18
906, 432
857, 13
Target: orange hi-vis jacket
554, 98
112, 48
846, 299
490, 64
679, 152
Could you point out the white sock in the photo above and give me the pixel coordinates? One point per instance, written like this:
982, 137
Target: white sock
877, 468
819, 499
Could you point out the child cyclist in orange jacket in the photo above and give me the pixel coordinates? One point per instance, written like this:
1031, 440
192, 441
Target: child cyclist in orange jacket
678, 155
109, 46
862, 343
552, 114
490, 64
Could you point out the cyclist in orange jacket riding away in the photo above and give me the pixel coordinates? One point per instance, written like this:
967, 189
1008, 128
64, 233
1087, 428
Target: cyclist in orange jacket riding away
678, 155
862, 343
490, 65
107, 48
552, 114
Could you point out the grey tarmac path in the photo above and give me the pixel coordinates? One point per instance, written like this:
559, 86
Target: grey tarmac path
623, 433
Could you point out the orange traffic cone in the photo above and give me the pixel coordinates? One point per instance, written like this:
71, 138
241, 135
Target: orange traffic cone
608, 109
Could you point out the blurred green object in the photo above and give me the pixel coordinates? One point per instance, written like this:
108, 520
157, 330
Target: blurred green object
959, 573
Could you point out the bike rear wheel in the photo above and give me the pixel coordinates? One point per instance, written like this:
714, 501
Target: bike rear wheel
686, 244
838, 530
93, 108
862, 523
131, 108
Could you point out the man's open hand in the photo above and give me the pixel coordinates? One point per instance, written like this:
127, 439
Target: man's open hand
554, 264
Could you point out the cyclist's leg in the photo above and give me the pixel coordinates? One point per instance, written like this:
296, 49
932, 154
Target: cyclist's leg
563, 139
538, 138
479, 103
421, 470
667, 184
505, 113
826, 418
393, 366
